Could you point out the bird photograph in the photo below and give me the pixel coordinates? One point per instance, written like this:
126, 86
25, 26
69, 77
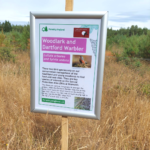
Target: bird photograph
83, 61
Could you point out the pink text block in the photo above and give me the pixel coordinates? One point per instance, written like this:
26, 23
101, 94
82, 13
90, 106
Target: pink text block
56, 58
76, 45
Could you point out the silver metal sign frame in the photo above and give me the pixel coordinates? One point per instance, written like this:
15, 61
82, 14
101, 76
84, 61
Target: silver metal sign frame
103, 16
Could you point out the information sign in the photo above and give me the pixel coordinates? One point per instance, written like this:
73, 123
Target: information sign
67, 62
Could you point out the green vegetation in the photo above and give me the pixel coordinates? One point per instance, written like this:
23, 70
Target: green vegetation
13, 39
2, 37
25, 36
6, 54
134, 41
146, 89
18, 28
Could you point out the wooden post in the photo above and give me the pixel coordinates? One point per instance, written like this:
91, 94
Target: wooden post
64, 140
69, 5
64, 136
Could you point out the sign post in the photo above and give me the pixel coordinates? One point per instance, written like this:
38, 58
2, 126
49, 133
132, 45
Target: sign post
64, 140
69, 5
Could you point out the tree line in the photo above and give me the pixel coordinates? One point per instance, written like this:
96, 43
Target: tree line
8, 27
130, 31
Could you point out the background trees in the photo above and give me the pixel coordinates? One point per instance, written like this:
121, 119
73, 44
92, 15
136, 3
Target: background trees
6, 26
130, 31
134, 41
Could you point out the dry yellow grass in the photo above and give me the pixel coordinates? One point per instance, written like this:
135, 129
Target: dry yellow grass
125, 113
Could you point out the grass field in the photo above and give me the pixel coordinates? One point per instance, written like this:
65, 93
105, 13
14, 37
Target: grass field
125, 112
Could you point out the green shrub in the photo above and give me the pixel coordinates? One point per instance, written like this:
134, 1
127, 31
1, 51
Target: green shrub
137, 64
127, 60
25, 37
146, 89
16, 35
133, 62
8, 39
7, 42
134, 46
118, 40
118, 56
6, 54
2, 37
144, 45
109, 43
19, 40
131, 48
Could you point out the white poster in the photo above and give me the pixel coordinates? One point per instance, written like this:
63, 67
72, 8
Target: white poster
66, 64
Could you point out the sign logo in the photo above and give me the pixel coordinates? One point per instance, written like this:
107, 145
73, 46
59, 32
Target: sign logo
81, 32
44, 29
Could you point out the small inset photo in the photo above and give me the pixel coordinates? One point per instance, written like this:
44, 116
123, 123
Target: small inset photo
83, 61
82, 103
